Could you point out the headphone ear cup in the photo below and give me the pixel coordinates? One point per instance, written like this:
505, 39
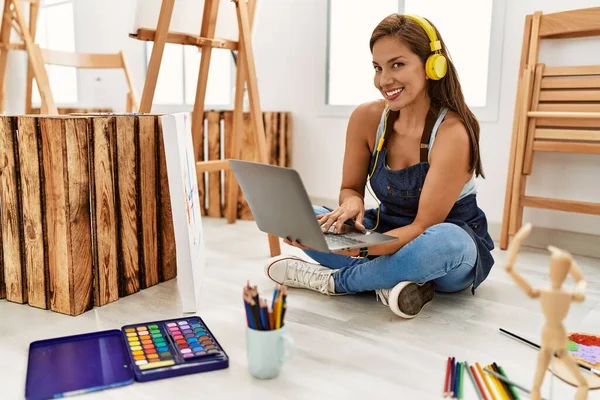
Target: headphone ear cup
436, 66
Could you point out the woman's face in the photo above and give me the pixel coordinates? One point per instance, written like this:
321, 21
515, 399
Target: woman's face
399, 73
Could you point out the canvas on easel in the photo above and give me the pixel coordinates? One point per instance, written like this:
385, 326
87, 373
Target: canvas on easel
206, 41
185, 206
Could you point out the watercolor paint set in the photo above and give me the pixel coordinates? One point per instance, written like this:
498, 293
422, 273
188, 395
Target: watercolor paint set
141, 352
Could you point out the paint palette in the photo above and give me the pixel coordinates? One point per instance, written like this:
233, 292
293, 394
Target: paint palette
585, 348
168, 348
63, 366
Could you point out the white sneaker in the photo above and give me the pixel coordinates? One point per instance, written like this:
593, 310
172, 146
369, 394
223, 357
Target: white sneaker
407, 299
295, 272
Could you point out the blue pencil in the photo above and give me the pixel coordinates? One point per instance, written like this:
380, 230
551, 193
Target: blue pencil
452, 377
275, 293
249, 315
263, 315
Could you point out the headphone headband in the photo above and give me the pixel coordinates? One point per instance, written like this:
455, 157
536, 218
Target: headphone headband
435, 44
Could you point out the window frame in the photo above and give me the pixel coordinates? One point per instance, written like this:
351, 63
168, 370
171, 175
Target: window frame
36, 101
183, 106
489, 113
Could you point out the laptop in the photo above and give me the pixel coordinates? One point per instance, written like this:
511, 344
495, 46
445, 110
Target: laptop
280, 206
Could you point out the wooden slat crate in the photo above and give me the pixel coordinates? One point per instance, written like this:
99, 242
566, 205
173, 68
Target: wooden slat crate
85, 214
217, 140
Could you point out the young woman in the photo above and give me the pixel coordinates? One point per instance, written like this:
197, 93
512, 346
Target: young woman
419, 150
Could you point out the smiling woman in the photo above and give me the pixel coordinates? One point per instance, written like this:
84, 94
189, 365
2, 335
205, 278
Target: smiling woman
427, 192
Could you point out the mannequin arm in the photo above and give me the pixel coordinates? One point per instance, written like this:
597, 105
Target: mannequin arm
579, 293
524, 285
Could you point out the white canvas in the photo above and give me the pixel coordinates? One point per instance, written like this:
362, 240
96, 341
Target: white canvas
185, 205
187, 17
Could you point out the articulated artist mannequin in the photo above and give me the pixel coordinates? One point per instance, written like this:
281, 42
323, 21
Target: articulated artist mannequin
555, 303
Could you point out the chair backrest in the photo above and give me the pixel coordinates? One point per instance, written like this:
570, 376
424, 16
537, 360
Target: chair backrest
94, 61
569, 89
570, 24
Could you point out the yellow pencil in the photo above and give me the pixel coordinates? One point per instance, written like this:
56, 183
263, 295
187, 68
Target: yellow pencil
485, 378
497, 384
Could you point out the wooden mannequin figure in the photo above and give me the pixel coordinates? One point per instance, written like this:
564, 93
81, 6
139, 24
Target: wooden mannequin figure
555, 303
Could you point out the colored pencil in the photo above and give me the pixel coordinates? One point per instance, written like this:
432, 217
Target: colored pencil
480, 385
486, 381
497, 385
502, 378
462, 380
510, 387
505, 387
261, 316
469, 368
456, 380
448, 366
452, 373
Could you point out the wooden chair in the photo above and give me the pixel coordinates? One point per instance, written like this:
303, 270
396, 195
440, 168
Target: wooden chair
557, 110
93, 61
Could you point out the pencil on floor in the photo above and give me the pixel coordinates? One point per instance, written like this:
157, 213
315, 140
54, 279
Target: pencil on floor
486, 381
462, 379
497, 385
511, 387
456, 378
469, 369
452, 373
448, 366
504, 385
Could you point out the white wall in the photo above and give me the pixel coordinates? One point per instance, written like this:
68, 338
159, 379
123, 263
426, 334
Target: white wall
290, 58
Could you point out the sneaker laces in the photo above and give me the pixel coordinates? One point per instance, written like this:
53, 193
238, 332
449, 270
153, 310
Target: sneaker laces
383, 295
312, 277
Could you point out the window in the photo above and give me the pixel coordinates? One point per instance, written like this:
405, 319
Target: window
55, 30
178, 76
475, 45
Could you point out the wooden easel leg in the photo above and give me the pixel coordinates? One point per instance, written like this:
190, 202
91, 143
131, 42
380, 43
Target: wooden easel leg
4, 39
236, 137
245, 45
33, 15
162, 29
238, 105
209, 23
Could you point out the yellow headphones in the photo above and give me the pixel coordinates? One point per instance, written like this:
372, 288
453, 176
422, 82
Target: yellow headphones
436, 65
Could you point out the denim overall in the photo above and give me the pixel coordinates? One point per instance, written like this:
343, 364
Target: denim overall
399, 192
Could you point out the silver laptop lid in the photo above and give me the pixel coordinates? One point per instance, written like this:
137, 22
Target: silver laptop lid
279, 202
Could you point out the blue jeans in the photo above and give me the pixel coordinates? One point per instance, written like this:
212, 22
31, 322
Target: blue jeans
444, 254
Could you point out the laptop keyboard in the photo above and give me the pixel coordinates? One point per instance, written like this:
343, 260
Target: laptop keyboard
341, 240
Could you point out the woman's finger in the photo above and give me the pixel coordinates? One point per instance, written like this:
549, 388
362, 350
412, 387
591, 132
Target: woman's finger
340, 223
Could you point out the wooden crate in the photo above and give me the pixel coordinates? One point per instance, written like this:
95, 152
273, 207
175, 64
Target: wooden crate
217, 145
85, 213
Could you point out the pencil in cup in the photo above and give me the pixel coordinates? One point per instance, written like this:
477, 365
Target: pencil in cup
259, 315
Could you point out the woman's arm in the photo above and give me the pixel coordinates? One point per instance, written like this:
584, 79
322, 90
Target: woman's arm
448, 173
360, 137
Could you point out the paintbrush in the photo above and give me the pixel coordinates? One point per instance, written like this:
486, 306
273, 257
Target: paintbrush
537, 346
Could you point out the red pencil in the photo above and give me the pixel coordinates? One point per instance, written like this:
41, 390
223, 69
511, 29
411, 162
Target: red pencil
447, 377
476, 376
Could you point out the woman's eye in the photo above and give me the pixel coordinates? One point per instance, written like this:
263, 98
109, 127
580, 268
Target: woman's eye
377, 69
397, 65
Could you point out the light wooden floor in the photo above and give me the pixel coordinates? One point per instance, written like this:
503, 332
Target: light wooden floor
347, 347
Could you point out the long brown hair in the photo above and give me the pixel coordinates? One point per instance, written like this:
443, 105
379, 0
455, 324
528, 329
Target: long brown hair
445, 92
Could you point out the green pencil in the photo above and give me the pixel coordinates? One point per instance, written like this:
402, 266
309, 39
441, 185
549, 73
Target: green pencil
462, 383
511, 387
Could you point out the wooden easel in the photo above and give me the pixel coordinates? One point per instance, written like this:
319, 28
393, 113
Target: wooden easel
246, 73
13, 18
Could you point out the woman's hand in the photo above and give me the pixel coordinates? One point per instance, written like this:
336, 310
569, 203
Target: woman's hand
352, 208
